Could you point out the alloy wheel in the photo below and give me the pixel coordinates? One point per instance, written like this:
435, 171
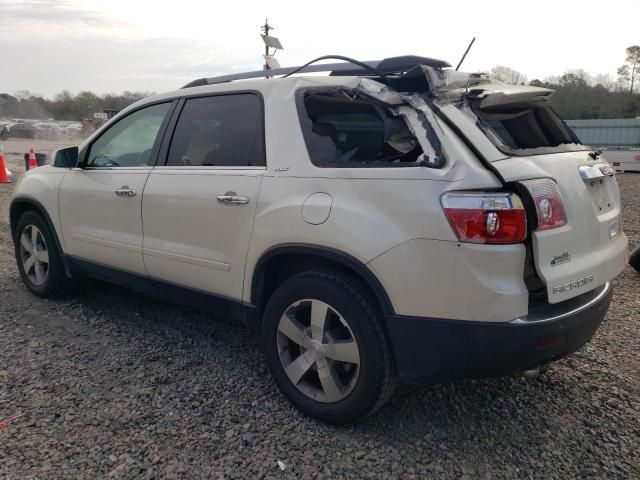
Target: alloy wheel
34, 255
318, 350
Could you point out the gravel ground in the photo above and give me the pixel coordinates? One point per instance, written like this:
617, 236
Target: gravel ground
112, 384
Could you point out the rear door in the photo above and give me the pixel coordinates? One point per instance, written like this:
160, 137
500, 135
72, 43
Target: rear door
200, 201
590, 249
100, 204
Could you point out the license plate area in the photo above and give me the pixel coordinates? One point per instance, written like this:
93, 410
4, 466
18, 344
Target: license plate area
600, 194
597, 179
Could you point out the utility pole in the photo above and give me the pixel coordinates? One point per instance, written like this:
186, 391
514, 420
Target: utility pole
265, 28
270, 42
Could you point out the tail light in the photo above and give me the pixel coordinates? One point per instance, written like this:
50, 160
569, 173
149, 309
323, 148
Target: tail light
548, 202
486, 217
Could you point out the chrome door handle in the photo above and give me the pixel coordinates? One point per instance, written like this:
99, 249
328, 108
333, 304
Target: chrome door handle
125, 191
230, 198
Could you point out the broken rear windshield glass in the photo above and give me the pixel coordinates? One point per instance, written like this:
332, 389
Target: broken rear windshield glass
342, 129
519, 128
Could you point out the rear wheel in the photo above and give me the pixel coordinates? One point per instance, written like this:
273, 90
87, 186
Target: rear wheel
38, 257
634, 259
326, 348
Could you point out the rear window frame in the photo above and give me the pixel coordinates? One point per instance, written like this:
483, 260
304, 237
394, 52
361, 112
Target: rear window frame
482, 124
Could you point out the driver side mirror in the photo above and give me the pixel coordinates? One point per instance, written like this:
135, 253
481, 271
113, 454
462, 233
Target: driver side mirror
65, 157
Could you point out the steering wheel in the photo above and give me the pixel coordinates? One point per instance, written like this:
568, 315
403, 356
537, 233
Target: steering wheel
143, 157
102, 160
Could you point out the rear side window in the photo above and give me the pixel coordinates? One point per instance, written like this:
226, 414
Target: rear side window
345, 130
223, 130
518, 129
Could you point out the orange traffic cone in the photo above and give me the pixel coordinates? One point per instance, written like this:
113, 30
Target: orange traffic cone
4, 178
32, 159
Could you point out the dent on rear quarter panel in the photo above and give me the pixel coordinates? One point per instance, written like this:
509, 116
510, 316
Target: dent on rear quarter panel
452, 280
42, 184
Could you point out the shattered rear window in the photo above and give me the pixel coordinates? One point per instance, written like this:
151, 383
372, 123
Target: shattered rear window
345, 129
520, 128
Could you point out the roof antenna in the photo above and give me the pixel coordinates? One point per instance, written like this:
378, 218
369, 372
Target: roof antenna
465, 54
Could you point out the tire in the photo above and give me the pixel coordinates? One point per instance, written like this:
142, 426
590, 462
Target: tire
352, 322
634, 259
43, 278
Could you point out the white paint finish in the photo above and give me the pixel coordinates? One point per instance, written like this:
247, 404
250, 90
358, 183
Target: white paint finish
190, 238
589, 208
390, 218
317, 208
479, 140
42, 184
368, 215
97, 224
454, 280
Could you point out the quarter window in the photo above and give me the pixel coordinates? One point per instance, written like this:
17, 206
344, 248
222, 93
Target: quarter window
344, 129
129, 142
223, 130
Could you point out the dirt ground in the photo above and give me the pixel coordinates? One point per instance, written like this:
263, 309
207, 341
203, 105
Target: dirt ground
109, 383
15, 148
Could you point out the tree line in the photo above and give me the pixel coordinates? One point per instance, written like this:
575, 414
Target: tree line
579, 95
64, 105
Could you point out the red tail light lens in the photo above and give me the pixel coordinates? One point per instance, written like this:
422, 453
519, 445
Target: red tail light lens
548, 202
486, 217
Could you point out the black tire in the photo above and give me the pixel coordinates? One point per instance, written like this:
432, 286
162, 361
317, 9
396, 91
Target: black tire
56, 282
634, 259
376, 378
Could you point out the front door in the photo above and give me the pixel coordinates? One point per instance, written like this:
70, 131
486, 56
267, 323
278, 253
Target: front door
100, 204
198, 208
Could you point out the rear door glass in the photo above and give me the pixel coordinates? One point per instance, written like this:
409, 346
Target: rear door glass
219, 131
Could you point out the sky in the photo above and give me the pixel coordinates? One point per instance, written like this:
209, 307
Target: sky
138, 45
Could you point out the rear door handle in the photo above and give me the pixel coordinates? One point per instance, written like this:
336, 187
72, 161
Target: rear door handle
125, 191
230, 198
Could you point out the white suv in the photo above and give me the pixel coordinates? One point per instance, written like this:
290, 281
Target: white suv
391, 220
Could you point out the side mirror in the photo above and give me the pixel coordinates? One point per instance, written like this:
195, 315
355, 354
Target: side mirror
65, 157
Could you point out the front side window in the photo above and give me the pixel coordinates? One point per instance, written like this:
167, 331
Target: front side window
222, 130
342, 129
129, 142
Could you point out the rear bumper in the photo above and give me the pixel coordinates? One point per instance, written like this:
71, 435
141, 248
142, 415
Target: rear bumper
428, 349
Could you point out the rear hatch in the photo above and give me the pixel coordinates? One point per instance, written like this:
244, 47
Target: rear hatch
588, 248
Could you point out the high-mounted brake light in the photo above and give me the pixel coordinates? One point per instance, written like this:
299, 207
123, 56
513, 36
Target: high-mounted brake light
486, 217
548, 202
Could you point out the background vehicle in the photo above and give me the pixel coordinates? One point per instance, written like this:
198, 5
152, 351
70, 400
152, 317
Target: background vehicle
90, 125
396, 220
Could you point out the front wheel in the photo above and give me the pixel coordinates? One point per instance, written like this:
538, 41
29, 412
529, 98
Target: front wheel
38, 258
326, 349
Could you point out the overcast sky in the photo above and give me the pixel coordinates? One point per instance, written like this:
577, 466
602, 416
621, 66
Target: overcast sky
110, 46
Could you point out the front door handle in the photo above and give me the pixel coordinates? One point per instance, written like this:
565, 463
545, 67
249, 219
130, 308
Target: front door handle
230, 198
125, 191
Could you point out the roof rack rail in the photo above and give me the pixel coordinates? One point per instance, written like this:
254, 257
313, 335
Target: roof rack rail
391, 65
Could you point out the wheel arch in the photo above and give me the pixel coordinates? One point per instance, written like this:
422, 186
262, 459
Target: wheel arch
20, 205
279, 263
